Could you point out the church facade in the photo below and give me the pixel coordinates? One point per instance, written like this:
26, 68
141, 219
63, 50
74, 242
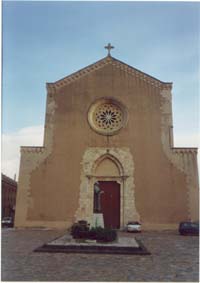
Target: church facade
108, 124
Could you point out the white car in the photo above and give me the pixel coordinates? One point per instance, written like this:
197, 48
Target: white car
133, 226
7, 222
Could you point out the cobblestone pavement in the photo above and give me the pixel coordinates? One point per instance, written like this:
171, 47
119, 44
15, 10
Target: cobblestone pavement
173, 258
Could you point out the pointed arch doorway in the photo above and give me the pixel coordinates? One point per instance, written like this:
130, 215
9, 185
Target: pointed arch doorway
107, 165
107, 171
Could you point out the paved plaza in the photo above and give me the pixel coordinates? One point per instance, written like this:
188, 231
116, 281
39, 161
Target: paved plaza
173, 258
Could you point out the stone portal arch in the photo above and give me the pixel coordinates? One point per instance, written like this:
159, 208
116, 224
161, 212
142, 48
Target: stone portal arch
103, 164
107, 165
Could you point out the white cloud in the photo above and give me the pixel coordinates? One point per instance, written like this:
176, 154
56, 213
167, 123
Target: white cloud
29, 136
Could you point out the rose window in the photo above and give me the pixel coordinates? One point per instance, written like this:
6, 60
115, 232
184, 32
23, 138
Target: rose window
106, 116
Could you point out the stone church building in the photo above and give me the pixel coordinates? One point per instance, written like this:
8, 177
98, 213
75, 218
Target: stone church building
108, 124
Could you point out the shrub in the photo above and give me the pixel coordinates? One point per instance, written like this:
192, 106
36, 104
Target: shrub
103, 234
83, 222
80, 230
92, 233
106, 235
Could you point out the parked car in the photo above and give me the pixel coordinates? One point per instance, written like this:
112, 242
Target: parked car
133, 226
189, 228
7, 222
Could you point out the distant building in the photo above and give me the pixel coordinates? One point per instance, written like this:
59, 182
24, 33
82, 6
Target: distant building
8, 196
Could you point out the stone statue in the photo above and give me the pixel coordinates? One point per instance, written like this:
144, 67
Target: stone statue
97, 195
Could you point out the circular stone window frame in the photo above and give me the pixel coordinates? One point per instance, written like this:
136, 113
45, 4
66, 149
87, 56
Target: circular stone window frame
112, 101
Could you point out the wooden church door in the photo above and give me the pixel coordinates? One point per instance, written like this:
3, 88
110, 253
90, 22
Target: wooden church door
110, 203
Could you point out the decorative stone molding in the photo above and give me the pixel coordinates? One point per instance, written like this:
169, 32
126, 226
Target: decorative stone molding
107, 116
184, 159
124, 161
100, 64
193, 150
32, 149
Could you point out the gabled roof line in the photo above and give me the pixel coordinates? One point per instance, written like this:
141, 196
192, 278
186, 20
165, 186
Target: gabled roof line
142, 73
51, 87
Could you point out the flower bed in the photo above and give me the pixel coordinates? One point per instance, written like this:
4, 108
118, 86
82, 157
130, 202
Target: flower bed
81, 230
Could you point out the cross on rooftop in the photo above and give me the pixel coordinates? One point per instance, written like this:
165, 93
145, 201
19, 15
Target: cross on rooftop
109, 47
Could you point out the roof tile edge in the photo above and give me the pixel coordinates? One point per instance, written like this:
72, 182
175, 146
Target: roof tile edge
51, 87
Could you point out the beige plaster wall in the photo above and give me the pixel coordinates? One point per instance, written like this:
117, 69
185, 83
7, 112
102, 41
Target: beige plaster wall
165, 180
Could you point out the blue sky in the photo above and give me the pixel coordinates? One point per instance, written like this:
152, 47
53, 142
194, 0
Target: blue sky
45, 41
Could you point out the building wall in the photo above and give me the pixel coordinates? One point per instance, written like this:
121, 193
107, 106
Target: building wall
8, 196
165, 186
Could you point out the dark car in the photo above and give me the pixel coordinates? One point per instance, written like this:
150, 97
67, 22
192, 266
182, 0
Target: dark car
7, 222
189, 228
